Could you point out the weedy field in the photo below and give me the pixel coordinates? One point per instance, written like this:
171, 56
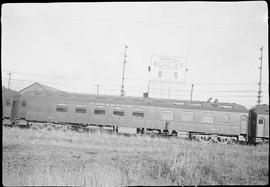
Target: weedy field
45, 158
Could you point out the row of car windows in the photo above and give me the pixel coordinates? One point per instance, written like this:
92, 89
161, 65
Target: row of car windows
186, 116
62, 108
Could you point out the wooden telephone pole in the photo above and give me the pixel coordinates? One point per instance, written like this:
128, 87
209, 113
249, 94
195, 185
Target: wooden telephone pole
97, 89
191, 94
9, 76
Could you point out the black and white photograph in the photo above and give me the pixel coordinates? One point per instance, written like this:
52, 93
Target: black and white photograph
105, 94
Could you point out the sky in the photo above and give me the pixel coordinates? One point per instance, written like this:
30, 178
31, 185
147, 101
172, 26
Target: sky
79, 47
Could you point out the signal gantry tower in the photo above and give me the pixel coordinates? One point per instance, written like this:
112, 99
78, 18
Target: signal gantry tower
123, 73
260, 83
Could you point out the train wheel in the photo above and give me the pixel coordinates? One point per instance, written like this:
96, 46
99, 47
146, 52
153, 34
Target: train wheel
199, 138
214, 139
193, 138
222, 140
174, 133
205, 139
15, 123
231, 141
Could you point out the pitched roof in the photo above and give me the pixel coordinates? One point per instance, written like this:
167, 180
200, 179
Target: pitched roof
39, 87
48, 88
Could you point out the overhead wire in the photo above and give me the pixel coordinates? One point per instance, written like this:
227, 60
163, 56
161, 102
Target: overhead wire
64, 77
132, 87
136, 79
115, 88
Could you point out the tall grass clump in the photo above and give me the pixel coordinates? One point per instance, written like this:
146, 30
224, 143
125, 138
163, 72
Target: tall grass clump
45, 158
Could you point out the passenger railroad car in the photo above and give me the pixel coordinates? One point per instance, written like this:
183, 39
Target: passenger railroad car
204, 121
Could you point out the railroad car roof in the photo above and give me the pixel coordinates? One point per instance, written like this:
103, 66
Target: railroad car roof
184, 104
152, 102
140, 101
261, 109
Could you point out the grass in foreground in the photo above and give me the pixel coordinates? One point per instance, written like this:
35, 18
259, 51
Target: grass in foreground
44, 158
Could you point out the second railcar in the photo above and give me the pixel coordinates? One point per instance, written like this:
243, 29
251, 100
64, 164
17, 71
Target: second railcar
258, 126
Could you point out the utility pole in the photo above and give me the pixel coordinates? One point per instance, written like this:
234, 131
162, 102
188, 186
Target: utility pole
191, 92
185, 78
123, 73
97, 88
260, 83
9, 76
149, 77
148, 87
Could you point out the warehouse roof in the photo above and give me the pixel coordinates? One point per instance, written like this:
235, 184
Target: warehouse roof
39, 88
